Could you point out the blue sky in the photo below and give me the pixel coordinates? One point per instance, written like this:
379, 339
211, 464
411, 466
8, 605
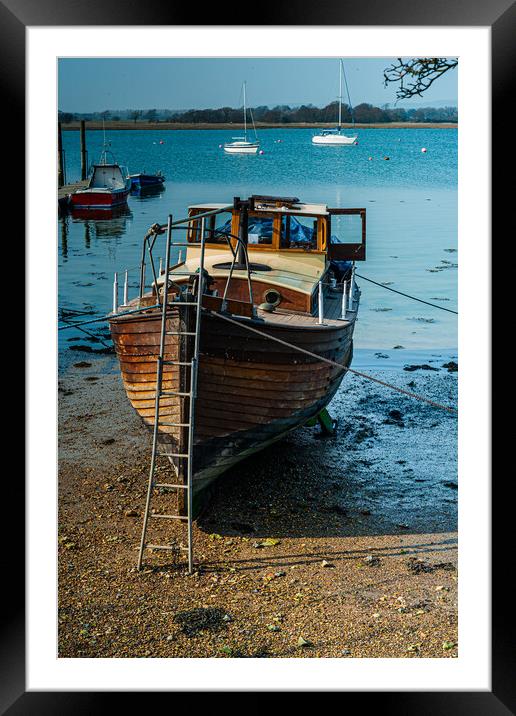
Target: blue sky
96, 84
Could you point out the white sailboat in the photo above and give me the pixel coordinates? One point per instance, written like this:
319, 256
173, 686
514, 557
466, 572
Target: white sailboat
334, 137
241, 145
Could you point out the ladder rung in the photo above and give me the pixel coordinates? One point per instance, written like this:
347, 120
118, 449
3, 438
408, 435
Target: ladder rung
180, 333
163, 546
173, 454
169, 517
174, 425
174, 392
167, 484
177, 362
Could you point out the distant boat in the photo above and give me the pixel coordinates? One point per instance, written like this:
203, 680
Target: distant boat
241, 145
147, 181
109, 186
334, 137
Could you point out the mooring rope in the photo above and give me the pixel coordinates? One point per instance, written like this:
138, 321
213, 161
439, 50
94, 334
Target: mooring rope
106, 318
84, 330
449, 408
407, 295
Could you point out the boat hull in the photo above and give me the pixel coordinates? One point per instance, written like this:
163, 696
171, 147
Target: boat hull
251, 391
241, 149
334, 140
88, 199
146, 181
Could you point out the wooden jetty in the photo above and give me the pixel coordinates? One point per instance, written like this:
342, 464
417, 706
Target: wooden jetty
64, 191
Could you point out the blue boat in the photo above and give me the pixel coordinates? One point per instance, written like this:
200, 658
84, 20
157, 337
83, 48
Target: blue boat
147, 181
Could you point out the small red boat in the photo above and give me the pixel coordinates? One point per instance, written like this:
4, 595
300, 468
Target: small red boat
109, 186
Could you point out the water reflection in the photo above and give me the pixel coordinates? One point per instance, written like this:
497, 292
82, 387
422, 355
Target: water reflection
105, 223
63, 221
147, 192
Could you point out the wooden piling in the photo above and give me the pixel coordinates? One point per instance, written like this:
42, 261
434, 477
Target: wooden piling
84, 153
60, 158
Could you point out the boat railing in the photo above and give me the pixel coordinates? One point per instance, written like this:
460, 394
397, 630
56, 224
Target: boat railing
149, 259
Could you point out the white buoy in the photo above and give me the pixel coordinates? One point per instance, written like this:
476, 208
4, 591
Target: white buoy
423, 150
261, 151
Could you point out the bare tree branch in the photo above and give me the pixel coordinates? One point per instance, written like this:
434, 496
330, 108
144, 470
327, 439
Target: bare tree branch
415, 76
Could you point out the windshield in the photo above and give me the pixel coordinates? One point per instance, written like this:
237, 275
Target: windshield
295, 232
259, 230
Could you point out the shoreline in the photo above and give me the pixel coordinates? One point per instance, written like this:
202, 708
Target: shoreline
170, 126
363, 558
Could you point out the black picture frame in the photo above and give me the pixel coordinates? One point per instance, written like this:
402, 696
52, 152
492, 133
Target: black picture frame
500, 16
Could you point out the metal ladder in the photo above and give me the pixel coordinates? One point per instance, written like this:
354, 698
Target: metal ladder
182, 395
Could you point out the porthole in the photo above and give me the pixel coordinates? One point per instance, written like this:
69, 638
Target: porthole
272, 296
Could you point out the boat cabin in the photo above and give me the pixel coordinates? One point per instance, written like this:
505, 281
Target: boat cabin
282, 225
108, 176
288, 246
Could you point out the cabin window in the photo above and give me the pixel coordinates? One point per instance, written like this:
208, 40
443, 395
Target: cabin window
346, 229
217, 228
260, 230
298, 232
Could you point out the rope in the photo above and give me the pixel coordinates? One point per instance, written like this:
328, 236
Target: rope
105, 318
407, 295
331, 362
84, 330
288, 345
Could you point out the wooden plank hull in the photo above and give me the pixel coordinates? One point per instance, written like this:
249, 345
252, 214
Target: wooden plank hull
251, 391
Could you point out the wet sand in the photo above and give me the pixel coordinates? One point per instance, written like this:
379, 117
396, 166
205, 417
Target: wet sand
346, 543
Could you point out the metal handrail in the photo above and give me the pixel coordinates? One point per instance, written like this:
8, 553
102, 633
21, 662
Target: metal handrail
157, 229
213, 212
149, 241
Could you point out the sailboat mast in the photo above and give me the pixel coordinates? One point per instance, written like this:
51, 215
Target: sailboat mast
103, 155
349, 97
340, 95
245, 118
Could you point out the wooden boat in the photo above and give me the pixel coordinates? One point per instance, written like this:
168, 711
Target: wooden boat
108, 187
270, 265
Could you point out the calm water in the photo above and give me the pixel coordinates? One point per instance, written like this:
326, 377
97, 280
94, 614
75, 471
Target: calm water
411, 203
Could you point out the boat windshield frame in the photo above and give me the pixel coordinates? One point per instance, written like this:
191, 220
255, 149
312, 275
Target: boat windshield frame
277, 221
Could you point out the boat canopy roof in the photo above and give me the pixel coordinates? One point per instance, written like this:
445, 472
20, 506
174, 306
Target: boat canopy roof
269, 205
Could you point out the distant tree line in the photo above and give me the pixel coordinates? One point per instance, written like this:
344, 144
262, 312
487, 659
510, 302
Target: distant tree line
282, 114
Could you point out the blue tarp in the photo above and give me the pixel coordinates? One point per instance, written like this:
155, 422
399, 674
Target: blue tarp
261, 228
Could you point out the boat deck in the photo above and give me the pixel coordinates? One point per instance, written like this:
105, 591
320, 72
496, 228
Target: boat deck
299, 320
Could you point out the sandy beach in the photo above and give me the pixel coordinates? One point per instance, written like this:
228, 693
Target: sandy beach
317, 547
